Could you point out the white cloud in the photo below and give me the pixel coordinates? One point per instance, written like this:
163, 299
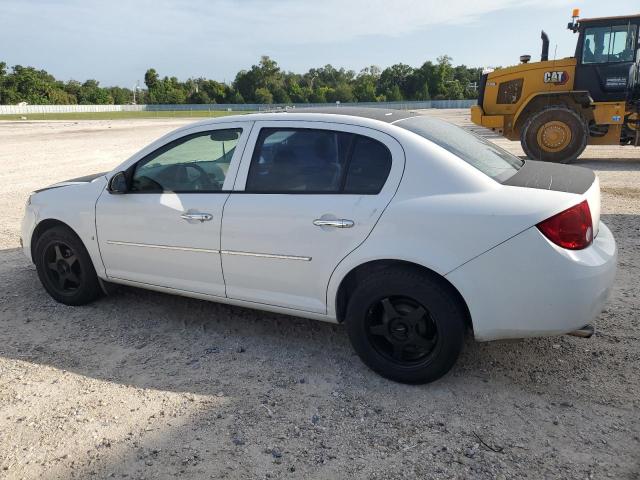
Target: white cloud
116, 40
323, 21
250, 21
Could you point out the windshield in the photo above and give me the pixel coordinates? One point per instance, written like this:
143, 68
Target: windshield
476, 151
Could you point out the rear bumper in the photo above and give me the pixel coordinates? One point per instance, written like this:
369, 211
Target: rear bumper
528, 286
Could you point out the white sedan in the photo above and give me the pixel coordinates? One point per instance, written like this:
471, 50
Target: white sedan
406, 229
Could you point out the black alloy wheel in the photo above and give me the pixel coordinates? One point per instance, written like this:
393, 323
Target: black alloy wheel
406, 324
65, 267
402, 330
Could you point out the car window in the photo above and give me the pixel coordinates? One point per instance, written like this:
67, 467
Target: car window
298, 160
195, 163
369, 166
609, 44
476, 151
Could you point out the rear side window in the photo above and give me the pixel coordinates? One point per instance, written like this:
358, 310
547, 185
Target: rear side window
317, 161
369, 166
476, 151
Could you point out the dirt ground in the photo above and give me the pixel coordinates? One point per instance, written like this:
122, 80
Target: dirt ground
145, 385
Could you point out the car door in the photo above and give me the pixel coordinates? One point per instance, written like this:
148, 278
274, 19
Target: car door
165, 231
307, 194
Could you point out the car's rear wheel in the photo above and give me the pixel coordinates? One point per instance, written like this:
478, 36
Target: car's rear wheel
65, 268
405, 324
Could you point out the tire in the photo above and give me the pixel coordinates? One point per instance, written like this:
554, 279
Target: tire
65, 268
555, 134
429, 342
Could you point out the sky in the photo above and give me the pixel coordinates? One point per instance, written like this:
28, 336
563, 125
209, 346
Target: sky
116, 41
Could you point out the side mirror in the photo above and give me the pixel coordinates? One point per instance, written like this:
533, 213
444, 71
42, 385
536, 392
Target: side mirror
118, 184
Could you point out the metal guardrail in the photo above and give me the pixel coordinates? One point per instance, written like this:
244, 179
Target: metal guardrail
34, 109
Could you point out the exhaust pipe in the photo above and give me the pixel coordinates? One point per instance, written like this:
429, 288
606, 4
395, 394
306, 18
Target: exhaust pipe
585, 332
545, 47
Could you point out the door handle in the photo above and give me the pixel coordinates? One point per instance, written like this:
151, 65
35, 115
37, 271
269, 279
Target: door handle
342, 223
200, 217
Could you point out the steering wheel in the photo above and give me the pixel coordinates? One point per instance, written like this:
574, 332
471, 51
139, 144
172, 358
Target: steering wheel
201, 182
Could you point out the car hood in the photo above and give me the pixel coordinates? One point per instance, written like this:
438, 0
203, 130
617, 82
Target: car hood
74, 181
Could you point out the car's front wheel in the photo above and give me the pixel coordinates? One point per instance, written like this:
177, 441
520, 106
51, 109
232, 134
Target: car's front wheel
65, 268
405, 324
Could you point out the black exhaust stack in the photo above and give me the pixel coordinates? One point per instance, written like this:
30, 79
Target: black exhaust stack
545, 47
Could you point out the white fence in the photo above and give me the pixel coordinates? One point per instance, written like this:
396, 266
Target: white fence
41, 109
31, 109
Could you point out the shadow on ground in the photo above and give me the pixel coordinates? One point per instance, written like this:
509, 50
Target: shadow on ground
298, 397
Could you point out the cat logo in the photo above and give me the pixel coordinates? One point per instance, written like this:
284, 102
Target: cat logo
558, 78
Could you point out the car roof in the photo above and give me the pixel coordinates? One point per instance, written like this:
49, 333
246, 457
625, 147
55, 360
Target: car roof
385, 115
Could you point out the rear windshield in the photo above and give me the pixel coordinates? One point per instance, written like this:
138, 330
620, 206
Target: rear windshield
476, 151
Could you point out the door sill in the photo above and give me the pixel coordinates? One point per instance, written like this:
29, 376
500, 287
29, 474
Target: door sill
230, 301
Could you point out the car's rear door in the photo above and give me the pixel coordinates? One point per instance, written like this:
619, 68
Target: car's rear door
166, 231
307, 194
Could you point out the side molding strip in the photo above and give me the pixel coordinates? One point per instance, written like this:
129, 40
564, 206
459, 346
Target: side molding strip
164, 247
266, 255
205, 250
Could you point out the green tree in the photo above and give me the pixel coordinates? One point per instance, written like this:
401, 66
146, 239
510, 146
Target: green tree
396, 75
444, 76
319, 95
264, 76
151, 78
341, 93
264, 82
3, 73
365, 84
120, 96
263, 95
393, 94
90, 93
216, 91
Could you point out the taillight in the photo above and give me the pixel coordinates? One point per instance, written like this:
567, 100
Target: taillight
571, 229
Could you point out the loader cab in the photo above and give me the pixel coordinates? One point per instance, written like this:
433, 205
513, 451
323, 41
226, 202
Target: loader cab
608, 57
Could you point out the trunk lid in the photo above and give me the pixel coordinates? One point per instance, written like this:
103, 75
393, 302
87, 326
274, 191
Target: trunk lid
561, 178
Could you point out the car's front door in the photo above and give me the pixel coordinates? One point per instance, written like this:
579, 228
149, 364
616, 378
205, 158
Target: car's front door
307, 194
165, 231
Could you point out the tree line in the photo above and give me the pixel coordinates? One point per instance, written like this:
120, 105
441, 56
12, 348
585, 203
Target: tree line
264, 83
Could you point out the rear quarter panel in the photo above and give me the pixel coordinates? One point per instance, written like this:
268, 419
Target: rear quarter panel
529, 287
430, 223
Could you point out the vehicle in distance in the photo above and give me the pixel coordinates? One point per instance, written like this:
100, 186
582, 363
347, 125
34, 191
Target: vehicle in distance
407, 229
556, 107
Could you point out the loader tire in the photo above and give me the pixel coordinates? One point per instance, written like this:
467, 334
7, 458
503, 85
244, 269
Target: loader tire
555, 134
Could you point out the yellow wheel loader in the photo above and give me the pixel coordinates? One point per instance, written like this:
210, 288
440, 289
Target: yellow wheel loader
558, 107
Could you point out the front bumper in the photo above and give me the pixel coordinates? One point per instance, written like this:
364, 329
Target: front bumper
489, 121
29, 222
529, 287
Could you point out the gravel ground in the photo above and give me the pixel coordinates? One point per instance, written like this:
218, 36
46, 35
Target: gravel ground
146, 385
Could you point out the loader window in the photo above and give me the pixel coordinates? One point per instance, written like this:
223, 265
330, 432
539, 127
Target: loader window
609, 44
